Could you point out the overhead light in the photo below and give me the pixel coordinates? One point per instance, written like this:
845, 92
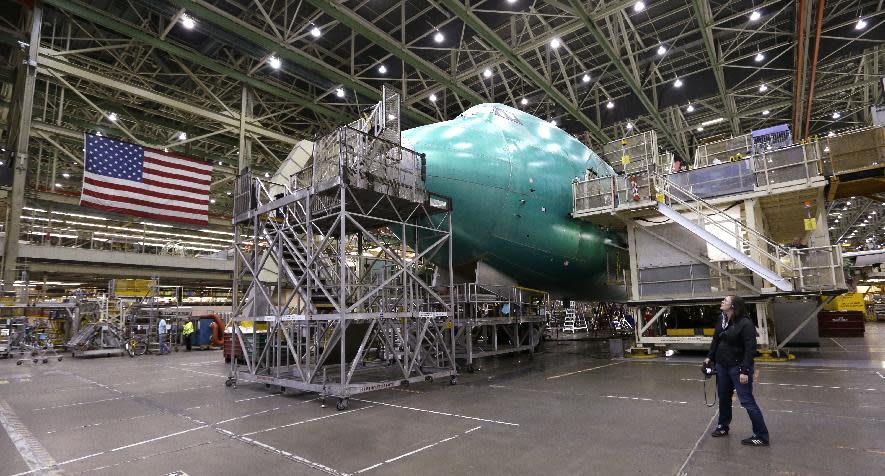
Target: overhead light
220, 163
555, 43
267, 175
315, 32
755, 15
836, 115
432, 98
211, 200
763, 87
165, 149
65, 175
188, 22
523, 101
339, 92
274, 62
765, 112
827, 149
661, 50
712, 121
438, 37
700, 129
58, 185
690, 108
638, 6
182, 136
585, 78
98, 133
230, 193
382, 69
553, 122
610, 105
629, 126
831, 134
487, 73
511, 1
759, 57
112, 117
677, 83
861, 24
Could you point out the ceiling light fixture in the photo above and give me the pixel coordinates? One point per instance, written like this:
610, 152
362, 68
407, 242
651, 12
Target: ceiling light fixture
182, 136
610, 105
759, 57
661, 50
112, 117
831, 134
861, 24
432, 98
65, 175
274, 62
755, 16
690, 108
700, 129
677, 83
629, 126
316, 32
555, 43
382, 69
524, 101
836, 115
766, 112
553, 122
763, 87
339, 92
487, 73
585, 78
438, 37
188, 22
638, 7
713, 121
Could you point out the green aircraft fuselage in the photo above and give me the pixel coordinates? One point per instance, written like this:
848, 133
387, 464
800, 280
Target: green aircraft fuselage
509, 175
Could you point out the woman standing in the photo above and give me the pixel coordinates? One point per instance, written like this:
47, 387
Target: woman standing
733, 349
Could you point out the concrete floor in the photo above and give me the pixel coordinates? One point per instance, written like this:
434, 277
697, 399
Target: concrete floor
571, 410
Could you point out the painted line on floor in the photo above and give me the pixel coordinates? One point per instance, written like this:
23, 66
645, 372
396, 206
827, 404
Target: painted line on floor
437, 412
410, 453
679, 472
264, 411
283, 453
586, 370
257, 398
802, 385
840, 345
90, 402
880, 375
844, 417
90, 425
472, 430
29, 448
309, 420
620, 397
196, 372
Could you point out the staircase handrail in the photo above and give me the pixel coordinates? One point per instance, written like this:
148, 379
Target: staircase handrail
663, 185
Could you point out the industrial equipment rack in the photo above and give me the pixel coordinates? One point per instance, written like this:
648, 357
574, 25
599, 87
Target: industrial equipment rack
333, 268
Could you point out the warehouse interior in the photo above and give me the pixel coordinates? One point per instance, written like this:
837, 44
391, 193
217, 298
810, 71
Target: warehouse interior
442, 236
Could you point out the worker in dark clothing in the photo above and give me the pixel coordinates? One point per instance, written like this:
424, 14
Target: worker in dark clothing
732, 350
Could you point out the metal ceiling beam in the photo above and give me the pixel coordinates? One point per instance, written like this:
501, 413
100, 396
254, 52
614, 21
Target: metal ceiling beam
99, 18
603, 42
234, 25
704, 16
66, 68
374, 34
499, 44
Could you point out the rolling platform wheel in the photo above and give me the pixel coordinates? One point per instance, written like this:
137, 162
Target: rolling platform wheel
59, 358
341, 405
45, 361
453, 380
36, 360
18, 362
428, 378
267, 385
229, 382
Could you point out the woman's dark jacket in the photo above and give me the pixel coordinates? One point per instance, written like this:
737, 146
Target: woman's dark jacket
736, 345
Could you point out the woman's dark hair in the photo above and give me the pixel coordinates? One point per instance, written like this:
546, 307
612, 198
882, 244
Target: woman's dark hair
738, 306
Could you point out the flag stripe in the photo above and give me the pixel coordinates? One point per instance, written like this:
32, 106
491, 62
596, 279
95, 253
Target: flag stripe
98, 184
137, 201
175, 186
150, 150
113, 206
158, 187
148, 159
169, 175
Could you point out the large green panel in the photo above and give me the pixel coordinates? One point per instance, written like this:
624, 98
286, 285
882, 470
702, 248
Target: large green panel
509, 175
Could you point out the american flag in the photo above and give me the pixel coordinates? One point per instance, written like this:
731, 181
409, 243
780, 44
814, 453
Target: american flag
141, 181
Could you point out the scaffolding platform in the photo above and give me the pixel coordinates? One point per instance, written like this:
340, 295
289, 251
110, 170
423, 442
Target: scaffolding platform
333, 268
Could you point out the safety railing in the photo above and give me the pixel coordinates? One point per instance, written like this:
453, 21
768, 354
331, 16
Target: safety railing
474, 302
788, 165
819, 268
727, 150
744, 237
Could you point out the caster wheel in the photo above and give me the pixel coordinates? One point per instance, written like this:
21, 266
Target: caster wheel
341, 405
228, 383
59, 358
36, 360
282, 389
45, 361
267, 385
471, 368
18, 362
428, 379
453, 380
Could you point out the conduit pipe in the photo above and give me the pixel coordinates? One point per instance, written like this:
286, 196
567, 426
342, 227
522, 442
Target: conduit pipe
797, 86
820, 24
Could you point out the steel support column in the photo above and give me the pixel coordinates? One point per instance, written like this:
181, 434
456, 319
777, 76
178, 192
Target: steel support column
16, 196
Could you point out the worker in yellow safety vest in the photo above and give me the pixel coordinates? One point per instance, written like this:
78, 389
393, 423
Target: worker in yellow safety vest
186, 333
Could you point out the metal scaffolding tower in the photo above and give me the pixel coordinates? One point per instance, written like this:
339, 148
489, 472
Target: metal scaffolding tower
332, 288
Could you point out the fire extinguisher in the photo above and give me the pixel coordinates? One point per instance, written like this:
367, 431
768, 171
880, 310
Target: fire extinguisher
634, 188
